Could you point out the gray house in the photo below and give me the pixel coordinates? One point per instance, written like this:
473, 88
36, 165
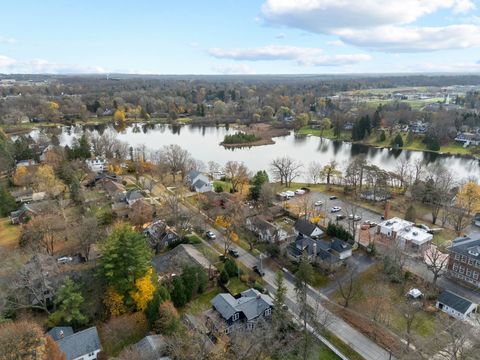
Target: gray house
198, 182
82, 345
456, 305
243, 312
306, 228
265, 230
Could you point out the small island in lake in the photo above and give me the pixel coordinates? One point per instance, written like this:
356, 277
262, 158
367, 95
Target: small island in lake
254, 135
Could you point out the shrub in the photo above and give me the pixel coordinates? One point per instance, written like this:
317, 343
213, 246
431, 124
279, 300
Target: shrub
398, 141
218, 188
168, 320
411, 214
224, 278
339, 231
239, 138
231, 268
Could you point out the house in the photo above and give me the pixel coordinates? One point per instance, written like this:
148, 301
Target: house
306, 228
151, 347
101, 177
468, 139
96, 165
404, 234
28, 210
265, 230
25, 163
456, 305
243, 312
464, 260
23, 196
476, 219
82, 345
329, 255
133, 196
160, 235
198, 182
113, 188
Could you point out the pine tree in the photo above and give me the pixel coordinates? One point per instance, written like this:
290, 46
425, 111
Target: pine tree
279, 311
178, 295
125, 258
7, 202
68, 301
411, 214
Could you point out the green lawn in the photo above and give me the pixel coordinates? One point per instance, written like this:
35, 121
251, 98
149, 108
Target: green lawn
328, 133
342, 347
236, 286
226, 185
201, 303
9, 234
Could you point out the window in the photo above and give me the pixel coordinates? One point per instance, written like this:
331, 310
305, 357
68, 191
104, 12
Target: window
455, 267
268, 312
457, 256
464, 258
478, 263
236, 316
470, 261
462, 270
229, 329
475, 275
250, 325
469, 272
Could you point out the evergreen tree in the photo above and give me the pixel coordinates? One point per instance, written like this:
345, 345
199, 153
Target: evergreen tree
178, 294
376, 120
260, 178
152, 311
7, 202
383, 137
68, 302
224, 278
231, 268
279, 311
411, 214
125, 258
397, 141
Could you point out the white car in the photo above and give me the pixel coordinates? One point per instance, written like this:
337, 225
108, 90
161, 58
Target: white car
299, 192
335, 209
354, 217
318, 203
289, 193
64, 260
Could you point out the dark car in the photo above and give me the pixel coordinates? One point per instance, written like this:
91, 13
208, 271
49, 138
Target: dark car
234, 253
333, 197
258, 270
339, 217
210, 235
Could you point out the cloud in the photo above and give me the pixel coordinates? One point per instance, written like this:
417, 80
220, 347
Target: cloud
281, 36
7, 40
354, 21
240, 69
40, 66
338, 43
301, 55
421, 39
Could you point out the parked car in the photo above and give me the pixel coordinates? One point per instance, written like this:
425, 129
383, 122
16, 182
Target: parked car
234, 253
370, 223
340, 217
354, 217
289, 194
318, 203
335, 209
299, 192
424, 227
258, 270
333, 197
210, 235
64, 260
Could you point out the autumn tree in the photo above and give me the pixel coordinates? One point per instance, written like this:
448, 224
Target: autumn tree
52, 350
237, 173
21, 176
301, 120
145, 289
47, 181
22, 340
125, 258
119, 116
68, 302
114, 303
168, 320
468, 197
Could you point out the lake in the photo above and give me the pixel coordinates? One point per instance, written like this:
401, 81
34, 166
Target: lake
203, 143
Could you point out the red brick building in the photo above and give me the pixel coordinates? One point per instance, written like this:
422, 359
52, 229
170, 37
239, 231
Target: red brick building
464, 260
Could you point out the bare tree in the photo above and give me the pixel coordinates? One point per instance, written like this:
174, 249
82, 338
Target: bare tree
418, 170
86, 233
330, 171
43, 232
436, 262
237, 173
459, 218
314, 172
286, 169
404, 171
348, 287
437, 189
410, 313
175, 159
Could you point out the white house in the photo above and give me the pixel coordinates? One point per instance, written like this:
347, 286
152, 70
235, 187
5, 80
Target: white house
456, 305
82, 345
405, 234
306, 228
265, 230
96, 165
198, 182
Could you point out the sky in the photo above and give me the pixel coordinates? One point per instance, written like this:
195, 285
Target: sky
239, 36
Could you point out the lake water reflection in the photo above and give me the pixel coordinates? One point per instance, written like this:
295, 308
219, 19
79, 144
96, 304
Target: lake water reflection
203, 143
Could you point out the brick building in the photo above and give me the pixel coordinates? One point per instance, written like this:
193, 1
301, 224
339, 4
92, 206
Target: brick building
464, 260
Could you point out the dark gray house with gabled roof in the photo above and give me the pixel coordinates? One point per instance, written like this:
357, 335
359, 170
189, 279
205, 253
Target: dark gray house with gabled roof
306, 228
82, 345
244, 311
456, 305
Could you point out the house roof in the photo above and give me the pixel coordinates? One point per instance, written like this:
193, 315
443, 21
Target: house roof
467, 246
305, 227
454, 301
113, 187
134, 195
151, 346
80, 343
252, 304
55, 333
261, 223
192, 175
340, 245
396, 224
199, 184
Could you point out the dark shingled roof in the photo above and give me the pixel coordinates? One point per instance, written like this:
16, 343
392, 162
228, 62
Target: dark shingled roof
454, 301
80, 343
467, 246
305, 227
340, 245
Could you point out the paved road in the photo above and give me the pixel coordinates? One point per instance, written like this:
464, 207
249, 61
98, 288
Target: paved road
355, 339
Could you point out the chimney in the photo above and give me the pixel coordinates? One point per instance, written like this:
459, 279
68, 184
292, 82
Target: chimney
387, 210
314, 250
60, 333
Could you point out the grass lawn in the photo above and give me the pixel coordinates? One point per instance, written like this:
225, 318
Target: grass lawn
226, 185
9, 234
201, 303
340, 345
236, 286
328, 133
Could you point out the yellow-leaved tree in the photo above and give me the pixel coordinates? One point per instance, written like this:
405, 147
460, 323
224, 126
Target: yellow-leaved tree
47, 181
119, 116
20, 177
468, 197
113, 302
145, 288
